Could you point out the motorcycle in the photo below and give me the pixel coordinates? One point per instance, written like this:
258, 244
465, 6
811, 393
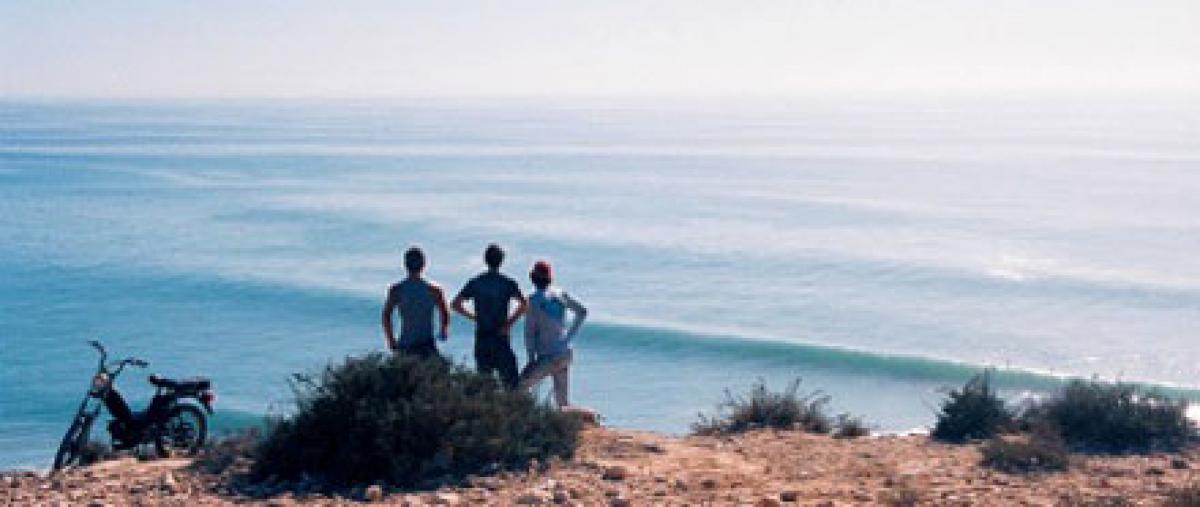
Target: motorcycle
171, 424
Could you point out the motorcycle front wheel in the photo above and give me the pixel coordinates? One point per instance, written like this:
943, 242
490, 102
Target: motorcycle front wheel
182, 432
70, 451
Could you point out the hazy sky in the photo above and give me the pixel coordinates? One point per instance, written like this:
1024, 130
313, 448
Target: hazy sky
585, 47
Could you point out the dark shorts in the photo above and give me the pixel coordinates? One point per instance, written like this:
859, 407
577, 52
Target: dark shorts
494, 354
424, 350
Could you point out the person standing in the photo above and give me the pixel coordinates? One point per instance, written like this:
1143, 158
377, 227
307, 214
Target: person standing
491, 293
547, 338
416, 298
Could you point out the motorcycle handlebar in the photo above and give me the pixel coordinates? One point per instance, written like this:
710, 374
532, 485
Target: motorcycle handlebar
132, 361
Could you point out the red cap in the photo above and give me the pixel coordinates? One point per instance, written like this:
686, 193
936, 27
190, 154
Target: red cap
542, 268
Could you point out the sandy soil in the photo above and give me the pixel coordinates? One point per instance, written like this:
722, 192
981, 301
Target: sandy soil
617, 467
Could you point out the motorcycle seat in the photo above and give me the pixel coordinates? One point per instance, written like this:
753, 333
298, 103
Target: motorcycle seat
187, 384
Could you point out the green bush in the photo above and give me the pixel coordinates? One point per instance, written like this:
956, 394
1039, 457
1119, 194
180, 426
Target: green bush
226, 451
1101, 416
763, 408
1025, 455
848, 426
974, 412
408, 422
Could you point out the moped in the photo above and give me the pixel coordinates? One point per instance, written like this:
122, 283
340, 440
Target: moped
170, 424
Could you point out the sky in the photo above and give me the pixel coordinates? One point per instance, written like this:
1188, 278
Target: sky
367, 48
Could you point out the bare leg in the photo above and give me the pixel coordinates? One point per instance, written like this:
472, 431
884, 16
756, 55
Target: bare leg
561, 383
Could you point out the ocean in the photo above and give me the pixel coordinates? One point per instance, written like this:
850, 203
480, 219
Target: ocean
880, 250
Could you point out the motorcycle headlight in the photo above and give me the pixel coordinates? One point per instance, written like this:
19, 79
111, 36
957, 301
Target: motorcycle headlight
100, 382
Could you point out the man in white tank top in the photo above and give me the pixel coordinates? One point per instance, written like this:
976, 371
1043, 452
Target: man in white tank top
417, 299
547, 338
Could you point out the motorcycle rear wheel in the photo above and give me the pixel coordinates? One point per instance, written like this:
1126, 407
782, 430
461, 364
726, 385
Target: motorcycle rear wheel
182, 432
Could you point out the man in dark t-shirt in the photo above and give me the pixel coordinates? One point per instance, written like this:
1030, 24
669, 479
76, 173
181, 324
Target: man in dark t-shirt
491, 292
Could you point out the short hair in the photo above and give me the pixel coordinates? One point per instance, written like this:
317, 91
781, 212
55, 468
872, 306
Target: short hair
493, 256
541, 274
414, 259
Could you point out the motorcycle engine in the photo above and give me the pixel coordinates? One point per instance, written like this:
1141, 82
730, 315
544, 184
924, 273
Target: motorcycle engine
122, 434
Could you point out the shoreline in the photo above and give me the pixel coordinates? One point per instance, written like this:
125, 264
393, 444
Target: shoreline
619, 467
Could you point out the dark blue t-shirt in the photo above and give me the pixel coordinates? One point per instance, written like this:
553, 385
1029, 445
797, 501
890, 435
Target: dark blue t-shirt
491, 292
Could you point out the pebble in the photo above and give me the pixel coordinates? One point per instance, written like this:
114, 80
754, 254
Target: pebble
615, 473
374, 493
532, 498
168, 484
447, 499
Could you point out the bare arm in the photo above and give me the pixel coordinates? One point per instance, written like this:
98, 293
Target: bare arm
521, 307
443, 312
461, 308
580, 315
389, 307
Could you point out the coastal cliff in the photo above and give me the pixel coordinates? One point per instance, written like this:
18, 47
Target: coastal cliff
618, 467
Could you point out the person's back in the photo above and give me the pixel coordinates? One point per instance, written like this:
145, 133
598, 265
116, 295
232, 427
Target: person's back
491, 294
416, 299
417, 304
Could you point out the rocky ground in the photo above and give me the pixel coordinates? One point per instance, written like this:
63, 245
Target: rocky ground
617, 467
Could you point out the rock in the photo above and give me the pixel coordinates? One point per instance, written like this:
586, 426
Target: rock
487, 483
615, 473
446, 499
1180, 464
653, 448
374, 493
168, 483
583, 415
790, 495
532, 498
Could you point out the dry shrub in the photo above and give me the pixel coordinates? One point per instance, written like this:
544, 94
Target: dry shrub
763, 408
1025, 455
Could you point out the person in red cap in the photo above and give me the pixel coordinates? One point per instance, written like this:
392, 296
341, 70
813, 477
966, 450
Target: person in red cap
547, 337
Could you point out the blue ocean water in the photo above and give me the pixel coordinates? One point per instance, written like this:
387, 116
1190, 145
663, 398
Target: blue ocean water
881, 251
